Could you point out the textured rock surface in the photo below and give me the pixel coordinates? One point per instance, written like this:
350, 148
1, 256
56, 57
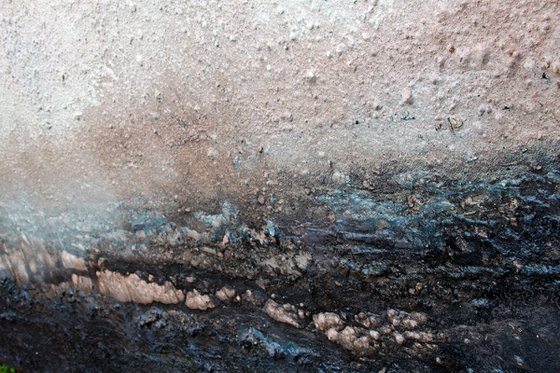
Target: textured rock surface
365, 186
445, 275
184, 104
132, 288
197, 301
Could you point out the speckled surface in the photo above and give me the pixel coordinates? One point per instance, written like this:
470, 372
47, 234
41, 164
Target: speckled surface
179, 104
313, 186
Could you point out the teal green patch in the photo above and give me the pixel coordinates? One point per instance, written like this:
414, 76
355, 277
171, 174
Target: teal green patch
7, 369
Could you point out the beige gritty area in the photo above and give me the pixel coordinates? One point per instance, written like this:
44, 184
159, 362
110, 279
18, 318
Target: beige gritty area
132, 288
179, 103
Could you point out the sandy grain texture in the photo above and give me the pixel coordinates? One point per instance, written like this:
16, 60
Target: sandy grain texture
179, 104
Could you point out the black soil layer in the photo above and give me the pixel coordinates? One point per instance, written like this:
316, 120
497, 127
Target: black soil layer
481, 261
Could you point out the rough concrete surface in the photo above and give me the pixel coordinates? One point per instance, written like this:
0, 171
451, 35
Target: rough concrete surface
280, 186
188, 102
